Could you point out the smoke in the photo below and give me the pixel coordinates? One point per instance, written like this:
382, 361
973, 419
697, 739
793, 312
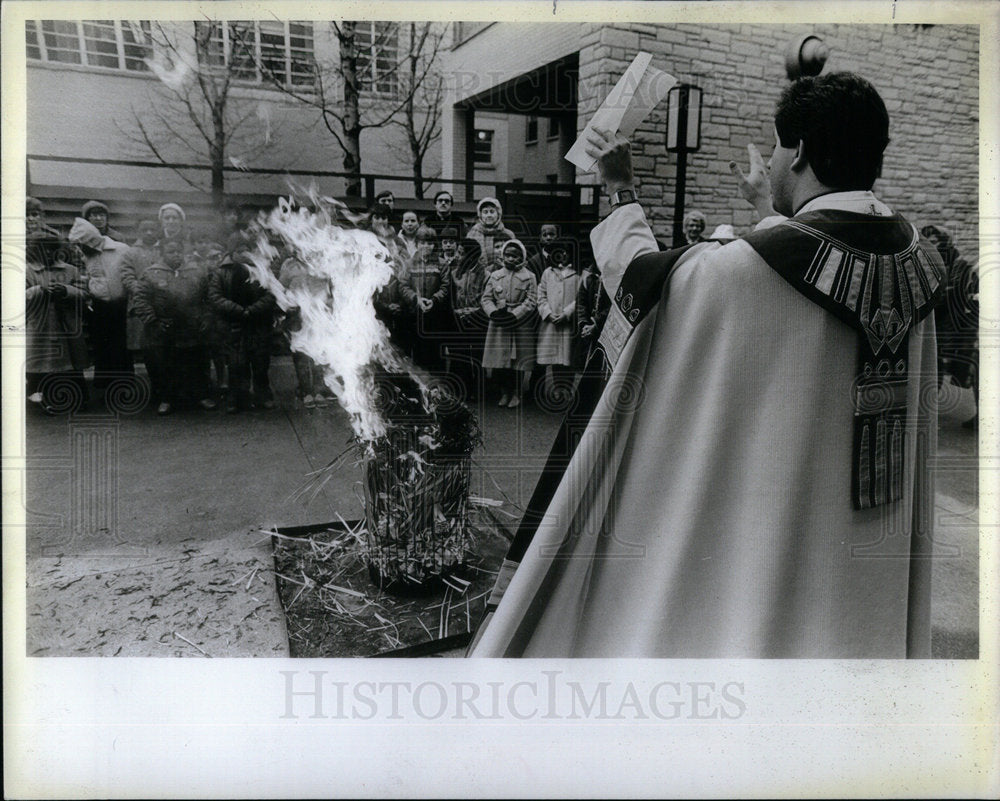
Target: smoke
174, 74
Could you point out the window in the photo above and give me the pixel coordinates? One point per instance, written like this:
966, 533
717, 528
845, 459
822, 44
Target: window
484, 147
114, 44
31, 37
553, 132
266, 51
531, 131
377, 44
552, 178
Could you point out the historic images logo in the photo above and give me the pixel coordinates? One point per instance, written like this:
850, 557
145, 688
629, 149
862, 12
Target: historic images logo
320, 695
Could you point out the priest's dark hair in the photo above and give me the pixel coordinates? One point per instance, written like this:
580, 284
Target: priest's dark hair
843, 124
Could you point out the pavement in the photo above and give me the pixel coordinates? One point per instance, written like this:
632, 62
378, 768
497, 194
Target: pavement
146, 535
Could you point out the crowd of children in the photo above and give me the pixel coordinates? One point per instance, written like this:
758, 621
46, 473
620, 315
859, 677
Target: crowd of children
466, 301
482, 309
175, 299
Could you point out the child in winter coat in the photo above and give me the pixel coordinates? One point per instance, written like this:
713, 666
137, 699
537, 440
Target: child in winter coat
247, 311
56, 353
102, 258
310, 387
206, 253
542, 260
509, 300
425, 292
465, 347
557, 310
170, 299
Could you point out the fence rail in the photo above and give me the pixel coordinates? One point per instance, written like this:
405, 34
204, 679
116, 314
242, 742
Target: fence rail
526, 205
368, 179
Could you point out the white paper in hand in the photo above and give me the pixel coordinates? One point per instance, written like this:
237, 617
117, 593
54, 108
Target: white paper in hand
636, 94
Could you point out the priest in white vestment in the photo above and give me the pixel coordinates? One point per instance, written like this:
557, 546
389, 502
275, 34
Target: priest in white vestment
733, 495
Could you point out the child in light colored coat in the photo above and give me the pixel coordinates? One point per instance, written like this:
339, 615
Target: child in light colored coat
557, 309
509, 300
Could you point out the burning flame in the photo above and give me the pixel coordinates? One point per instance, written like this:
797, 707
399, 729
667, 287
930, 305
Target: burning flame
341, 270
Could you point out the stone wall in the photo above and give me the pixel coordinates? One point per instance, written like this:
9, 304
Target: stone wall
927, 75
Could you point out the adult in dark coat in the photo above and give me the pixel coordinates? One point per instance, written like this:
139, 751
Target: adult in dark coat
387, 199
592, 306
380, 220
392, 311
134, 263
231, 218
34, 221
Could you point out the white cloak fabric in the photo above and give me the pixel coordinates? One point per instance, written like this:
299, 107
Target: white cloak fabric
707, 511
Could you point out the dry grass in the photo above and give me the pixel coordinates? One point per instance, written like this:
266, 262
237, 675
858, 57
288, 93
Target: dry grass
334, 609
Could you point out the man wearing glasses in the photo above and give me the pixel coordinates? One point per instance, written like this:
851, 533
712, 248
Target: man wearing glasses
444, 216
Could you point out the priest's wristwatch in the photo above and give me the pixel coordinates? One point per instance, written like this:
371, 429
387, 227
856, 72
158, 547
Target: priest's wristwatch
623, 197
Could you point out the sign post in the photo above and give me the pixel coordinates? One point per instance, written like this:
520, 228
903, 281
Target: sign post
683, 137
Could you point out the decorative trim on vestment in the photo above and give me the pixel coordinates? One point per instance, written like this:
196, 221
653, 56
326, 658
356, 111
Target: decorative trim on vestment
876, 275
615, 333
638, 293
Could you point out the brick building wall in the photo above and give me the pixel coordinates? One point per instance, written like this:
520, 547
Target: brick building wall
927, 75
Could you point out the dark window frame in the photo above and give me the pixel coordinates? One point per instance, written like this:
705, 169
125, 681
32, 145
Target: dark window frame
477, 155
531, 124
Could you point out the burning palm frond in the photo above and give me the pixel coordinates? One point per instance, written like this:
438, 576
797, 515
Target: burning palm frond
413, 439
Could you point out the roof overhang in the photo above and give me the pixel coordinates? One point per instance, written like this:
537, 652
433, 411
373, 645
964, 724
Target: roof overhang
545, 91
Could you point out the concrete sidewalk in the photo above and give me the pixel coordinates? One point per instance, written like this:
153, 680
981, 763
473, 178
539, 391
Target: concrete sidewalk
216, 598
145, 535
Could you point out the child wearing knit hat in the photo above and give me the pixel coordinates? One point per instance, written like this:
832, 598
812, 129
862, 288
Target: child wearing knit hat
509, 300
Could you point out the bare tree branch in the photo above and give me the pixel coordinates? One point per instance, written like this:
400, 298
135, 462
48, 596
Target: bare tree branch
155, 151
196, 114
339, 92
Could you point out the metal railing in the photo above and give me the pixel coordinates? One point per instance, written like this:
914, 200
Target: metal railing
584, 198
